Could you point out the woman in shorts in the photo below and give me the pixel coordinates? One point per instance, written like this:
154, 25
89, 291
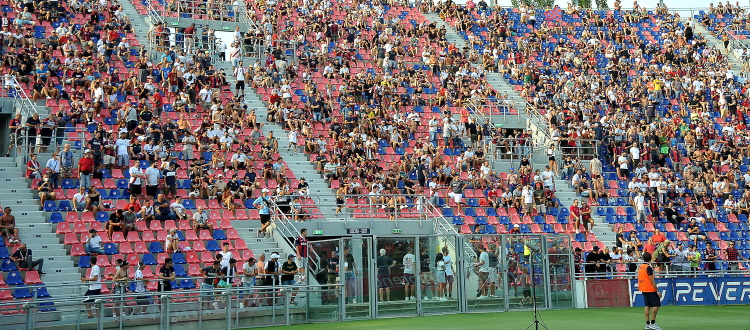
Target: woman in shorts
441, 280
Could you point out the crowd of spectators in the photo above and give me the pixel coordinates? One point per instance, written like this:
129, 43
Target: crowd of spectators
669, 110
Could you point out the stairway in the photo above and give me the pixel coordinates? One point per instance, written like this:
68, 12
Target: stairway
34, 230
602, 229
712, 41
493, 78
296, 160
139, 22
499, 83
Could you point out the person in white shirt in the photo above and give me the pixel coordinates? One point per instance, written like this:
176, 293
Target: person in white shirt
140, 289
448, 272
239, 74
123, 151
548, 176
410, 265
483, 264
95, 288
640, 207
249, 271
53, 166
528, 199
79, 200
238, 160
152, 180
178, 209
172, 241
136, 180
622, 163
292, 140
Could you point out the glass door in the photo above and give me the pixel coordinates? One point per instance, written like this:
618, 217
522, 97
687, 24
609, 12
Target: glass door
485, 283
438, 279
355, 272
396, 266
323, 270
527, 271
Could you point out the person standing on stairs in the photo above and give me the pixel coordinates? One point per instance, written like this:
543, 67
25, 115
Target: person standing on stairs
263, 204
239, 75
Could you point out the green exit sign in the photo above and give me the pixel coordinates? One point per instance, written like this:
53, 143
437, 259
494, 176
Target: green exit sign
317, 232
225, 27
175, 23
396, 230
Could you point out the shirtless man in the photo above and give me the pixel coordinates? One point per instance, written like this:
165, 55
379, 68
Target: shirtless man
8, 226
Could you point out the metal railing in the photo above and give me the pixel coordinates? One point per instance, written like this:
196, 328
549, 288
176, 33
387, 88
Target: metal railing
21, 101
153, 15
282, 222
160, 43
488, 109
538, 124
585, 149
619, 269
206, 307
50, 141
202, 10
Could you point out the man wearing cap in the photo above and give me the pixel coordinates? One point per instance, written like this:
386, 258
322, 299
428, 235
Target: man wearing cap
680, 259
592, 261
93, 243
263, 204
271, 273
85, 168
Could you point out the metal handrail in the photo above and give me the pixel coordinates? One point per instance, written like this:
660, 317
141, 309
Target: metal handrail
281, 220
153, 15
23, 103
444, 227
198, 8
57, 139
661, 272
541, 123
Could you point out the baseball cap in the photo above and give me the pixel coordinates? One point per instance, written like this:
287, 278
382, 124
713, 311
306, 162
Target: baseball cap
290, 256
265, 190
596, 248
274, 256
516, 226
87, 151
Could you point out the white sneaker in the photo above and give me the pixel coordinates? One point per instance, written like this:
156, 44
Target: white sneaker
407, 298
577, 231
655, 327
481, 297
215, 304
242, 305
443, 299
425, 298
412, 298
648, 327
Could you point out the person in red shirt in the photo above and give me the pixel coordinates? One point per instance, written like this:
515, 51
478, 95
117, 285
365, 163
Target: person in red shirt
575, 214
15, 126
85, 168
710, 209
658, 237
733, 256
650, 246
133, 203
158, 101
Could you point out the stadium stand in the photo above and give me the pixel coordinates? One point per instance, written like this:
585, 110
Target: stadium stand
381, 104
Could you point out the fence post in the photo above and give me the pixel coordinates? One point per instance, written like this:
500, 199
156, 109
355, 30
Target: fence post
228, 297
287, 316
